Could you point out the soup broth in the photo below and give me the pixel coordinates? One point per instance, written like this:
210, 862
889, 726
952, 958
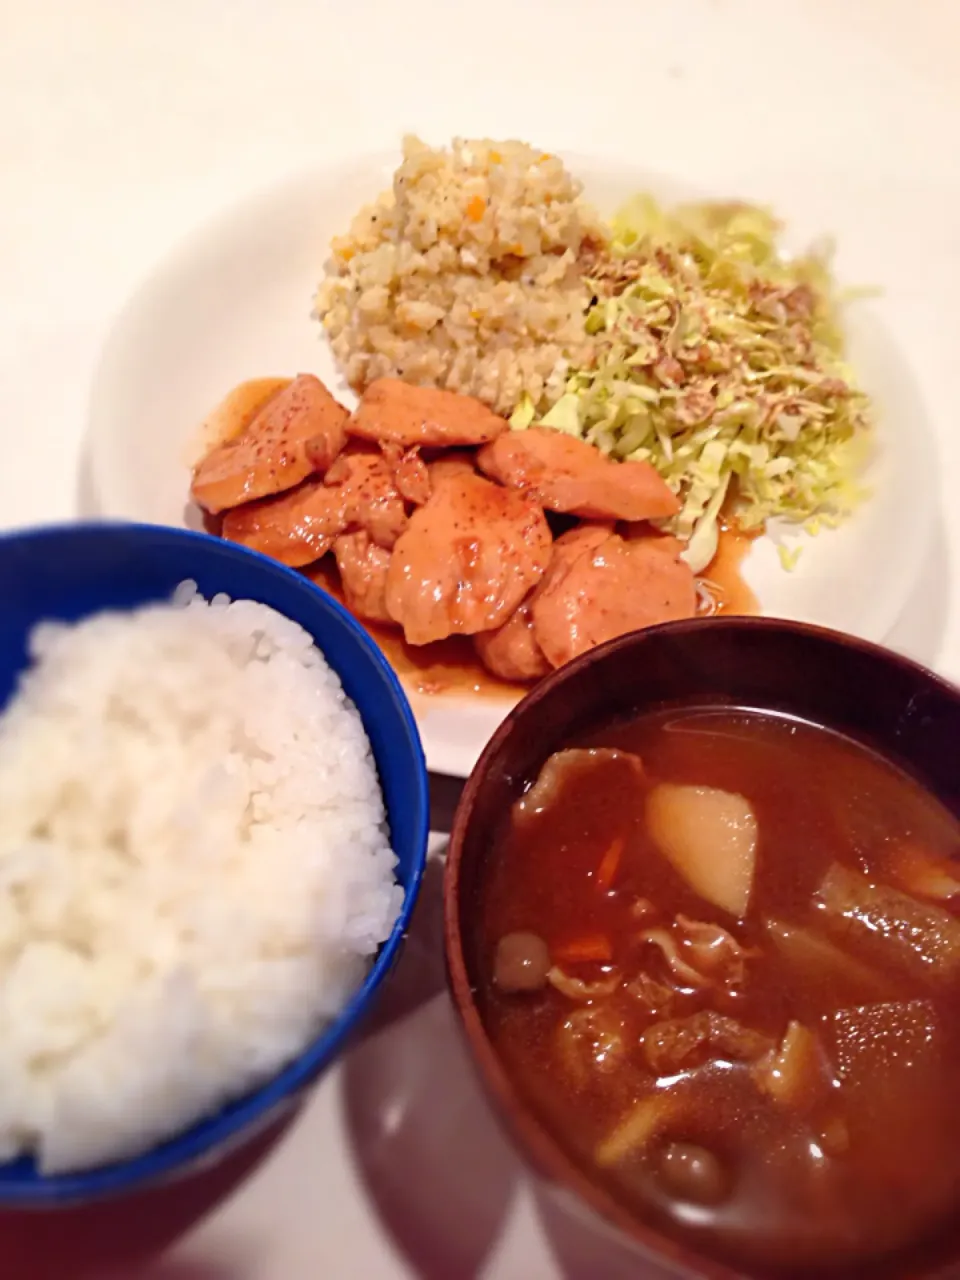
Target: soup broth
720, 955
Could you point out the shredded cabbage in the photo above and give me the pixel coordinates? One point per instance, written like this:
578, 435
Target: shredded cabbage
720, 361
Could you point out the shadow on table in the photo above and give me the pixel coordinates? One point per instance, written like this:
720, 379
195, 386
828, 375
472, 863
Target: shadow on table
179, 1269
428, 1150
444, 797
116, 1240
586, 1248
435, 1166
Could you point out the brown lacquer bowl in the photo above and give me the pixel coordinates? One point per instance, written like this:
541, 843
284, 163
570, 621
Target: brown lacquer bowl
903, 711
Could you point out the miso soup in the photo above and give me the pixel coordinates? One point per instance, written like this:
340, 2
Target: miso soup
721, 958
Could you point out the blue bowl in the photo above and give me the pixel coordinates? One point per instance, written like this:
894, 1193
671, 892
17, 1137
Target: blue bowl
66, 572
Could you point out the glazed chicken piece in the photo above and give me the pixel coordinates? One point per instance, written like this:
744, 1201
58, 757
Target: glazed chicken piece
600, 585
455, 463
466, 560
572, 545
411, 478
363, 575
566, 474
300, 526
297, 433
409, 471
511, 652
370, 499
391, 410
656, 541
295, 528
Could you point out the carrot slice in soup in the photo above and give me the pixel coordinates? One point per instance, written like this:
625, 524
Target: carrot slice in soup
610, 864
921, 872
591, 947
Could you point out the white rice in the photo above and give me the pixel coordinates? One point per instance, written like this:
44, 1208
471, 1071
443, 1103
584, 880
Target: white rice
194, 871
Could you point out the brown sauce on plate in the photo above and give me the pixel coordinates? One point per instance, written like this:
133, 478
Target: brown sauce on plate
725, 572
447, 666
236, 411
452, 666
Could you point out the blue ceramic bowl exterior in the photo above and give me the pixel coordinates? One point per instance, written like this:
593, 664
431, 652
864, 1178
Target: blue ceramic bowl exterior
67, 572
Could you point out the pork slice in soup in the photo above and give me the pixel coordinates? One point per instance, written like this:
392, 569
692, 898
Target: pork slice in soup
719, 953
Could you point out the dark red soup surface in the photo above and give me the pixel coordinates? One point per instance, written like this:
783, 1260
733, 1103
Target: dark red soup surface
721, 957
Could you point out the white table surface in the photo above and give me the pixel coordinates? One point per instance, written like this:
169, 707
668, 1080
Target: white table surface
124, 124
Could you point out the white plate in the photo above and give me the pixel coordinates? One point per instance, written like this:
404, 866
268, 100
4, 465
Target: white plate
235, 303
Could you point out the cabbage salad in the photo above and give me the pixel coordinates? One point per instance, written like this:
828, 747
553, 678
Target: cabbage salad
720, 361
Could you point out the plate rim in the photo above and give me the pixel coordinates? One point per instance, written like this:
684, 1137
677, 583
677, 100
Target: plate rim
251, 205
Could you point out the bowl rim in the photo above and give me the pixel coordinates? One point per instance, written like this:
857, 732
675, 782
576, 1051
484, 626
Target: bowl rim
534, 1138
188, 1151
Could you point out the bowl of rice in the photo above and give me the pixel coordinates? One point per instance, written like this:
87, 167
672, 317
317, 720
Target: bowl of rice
213, 826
